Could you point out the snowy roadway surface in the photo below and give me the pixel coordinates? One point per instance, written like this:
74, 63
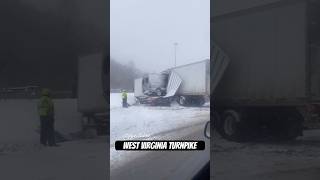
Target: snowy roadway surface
268, 160
139, 122
79, 159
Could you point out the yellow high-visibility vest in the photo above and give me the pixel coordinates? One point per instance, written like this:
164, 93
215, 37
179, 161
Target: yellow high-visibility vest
45, 106
124, 95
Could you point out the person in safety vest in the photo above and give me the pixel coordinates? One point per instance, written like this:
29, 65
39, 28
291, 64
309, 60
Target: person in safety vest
124, 99
46, 113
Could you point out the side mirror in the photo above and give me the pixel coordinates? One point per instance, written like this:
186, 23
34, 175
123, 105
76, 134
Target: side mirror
207, 130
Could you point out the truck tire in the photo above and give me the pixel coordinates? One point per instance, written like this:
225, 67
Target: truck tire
88, 126
158, 92
138, 102
191, 100
293, 130
196, 101
230, 126
182, 100
201, 101
290, 125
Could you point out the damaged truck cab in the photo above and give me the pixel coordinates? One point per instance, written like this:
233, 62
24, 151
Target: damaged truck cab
154, 84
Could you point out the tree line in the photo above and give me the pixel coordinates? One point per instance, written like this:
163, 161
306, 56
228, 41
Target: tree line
122, 75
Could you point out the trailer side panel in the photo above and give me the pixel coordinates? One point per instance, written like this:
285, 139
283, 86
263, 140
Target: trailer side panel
268, 53
91, 97
194, 78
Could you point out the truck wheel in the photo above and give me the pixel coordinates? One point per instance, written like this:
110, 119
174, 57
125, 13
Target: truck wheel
290, 125
158, 92
201, 101
196, 101
138, 102
88, 126
182, 100
230, 126
294, 130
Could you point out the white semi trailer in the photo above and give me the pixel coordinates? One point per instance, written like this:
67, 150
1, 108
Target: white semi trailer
189, 84
92, 89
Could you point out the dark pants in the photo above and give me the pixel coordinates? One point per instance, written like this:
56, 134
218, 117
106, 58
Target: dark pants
124, 102
47, 130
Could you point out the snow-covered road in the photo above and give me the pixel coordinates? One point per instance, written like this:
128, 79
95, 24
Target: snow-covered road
146, 122
79, 159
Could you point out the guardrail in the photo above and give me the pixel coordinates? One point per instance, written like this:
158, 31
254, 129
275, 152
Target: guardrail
31, 92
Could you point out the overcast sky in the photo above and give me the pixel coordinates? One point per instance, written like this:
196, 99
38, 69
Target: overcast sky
144, 31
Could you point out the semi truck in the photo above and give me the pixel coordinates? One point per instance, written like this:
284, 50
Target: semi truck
271, 85
92, 90
188, 84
